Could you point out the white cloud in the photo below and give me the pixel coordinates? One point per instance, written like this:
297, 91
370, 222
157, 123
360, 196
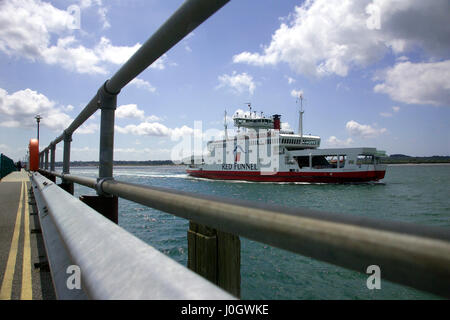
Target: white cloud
238, 83
68, 107
335, 142
114, 54
19, 109
296, 93
342, 86
27, 27
129, 111
290, 80
363, 130
144, 128
161, 62
325, 37
73, 58
417, 83
286, 126
88, 3
133, 111
402, 58
142, 84
395, 109
155, 129
101, 10
88, 128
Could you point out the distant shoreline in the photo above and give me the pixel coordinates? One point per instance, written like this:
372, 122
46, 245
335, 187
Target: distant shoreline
419, 164
394, 159
172, 165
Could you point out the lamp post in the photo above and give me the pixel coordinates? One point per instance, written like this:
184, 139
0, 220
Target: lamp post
38, 119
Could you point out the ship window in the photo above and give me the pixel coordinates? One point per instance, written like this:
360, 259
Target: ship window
365, 159
324, 162
302, 161
342, 161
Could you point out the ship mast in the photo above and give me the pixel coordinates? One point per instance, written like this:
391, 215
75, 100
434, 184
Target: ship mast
225, 125
300, 119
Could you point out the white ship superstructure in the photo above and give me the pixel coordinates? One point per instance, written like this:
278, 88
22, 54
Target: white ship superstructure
262, 151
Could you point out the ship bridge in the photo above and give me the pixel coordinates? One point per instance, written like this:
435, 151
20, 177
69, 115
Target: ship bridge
253, 123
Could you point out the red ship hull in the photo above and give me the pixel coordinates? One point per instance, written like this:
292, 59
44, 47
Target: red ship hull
312, 177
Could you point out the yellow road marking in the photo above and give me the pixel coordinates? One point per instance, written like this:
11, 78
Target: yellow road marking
5, 291
27, 292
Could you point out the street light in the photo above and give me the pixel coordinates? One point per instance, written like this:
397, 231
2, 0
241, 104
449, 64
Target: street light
38, 119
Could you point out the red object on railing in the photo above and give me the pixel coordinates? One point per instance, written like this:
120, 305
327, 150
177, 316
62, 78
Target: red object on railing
33, 148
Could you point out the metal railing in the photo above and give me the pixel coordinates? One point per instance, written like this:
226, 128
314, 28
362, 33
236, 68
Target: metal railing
113, 263
408, 254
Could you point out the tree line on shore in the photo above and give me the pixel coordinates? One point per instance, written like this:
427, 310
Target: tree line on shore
392, 159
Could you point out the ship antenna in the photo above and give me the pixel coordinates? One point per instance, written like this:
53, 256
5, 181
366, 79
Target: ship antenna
225, 125
249, 104
300, 120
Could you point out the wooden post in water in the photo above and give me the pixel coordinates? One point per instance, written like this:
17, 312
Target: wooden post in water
216, 256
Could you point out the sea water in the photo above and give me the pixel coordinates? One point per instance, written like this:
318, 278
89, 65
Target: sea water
410, 193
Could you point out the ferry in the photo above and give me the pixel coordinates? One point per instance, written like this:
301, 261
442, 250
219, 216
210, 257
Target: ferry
262, 151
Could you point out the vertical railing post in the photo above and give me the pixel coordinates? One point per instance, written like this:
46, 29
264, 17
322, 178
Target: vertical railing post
52, 157
216, 256
105, 204
52, 162
107, 103
66, 153
66, 185
46, 158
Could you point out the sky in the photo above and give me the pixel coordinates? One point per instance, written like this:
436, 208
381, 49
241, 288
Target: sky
373, 73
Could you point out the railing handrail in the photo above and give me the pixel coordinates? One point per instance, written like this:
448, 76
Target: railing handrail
115, 264
409, 254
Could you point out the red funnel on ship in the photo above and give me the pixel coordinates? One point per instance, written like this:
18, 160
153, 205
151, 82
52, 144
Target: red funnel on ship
276, 122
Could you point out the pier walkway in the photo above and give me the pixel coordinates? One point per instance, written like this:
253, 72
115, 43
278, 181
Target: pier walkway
24, 272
